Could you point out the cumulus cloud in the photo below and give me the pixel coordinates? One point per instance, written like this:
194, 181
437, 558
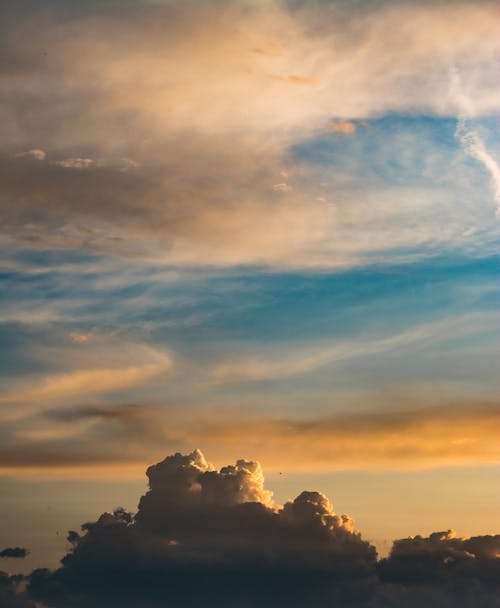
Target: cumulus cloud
218, 529
14, 552
451, 570
11, 594
203, 536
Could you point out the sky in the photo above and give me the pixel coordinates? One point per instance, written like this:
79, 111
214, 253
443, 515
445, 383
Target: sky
266, 230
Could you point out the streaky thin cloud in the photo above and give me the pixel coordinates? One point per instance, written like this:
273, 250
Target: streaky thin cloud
398, 439
276, 362
76, 163
470, 139
79, 383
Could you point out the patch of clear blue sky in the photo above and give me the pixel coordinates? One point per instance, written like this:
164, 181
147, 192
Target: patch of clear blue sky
254, 306
397, 150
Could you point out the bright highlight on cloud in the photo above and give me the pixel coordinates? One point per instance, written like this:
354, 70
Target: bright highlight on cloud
215, 537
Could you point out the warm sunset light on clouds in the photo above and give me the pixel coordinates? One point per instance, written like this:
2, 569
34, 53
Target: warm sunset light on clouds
267, 230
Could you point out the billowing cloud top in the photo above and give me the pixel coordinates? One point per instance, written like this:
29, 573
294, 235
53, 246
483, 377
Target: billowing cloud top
215, 538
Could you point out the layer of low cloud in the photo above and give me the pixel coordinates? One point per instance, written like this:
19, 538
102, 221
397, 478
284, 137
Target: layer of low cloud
95, 436
203, 536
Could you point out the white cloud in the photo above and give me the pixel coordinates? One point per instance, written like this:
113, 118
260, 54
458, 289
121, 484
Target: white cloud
300, 359
282, 187
75, 163
35, 153
470, 139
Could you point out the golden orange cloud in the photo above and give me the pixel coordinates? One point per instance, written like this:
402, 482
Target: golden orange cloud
400, 440
404, 440
346, 127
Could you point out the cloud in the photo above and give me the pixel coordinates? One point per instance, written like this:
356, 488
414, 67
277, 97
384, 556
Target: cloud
75, 163
197, 192
404, 439
292, 361
85, 382
464, 570
419, 559
282, 187
75, 439
78, 337
470, 139
361, 61
474, 145
203, 536
35, 153
345, 127
14, 552
11, 595
80, 383
219, 529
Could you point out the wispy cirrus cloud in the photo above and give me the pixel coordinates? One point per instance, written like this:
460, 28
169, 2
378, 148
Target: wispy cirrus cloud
295, 360
85, 382
470, 139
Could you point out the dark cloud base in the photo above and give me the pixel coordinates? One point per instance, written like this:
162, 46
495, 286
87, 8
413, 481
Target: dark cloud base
203, 537
14, 552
